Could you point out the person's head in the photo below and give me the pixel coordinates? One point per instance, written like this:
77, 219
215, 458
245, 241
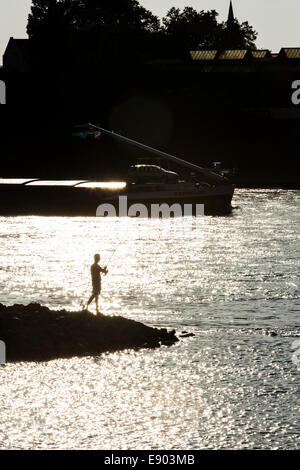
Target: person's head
97, 258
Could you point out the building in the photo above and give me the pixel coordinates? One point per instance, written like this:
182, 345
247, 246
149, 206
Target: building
16, 56
230, 19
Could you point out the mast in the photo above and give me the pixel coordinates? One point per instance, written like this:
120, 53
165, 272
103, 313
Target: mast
209, 174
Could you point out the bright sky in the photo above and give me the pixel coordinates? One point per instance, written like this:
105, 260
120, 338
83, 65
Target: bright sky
277, 21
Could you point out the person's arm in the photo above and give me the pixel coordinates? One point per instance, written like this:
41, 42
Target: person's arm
104, 270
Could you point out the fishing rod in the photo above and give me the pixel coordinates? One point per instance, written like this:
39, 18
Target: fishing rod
112, 255
117, 243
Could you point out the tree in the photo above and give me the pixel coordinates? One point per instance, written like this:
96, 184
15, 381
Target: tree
238, 36
79, 46
93, 31
117, 22
124, 14
189, 29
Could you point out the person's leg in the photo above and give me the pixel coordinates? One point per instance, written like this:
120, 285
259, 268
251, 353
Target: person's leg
90, 300
97, 303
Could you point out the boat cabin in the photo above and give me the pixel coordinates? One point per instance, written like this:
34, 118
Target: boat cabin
151, 174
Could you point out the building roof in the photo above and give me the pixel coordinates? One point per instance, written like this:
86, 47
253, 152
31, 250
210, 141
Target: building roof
239, 54
290, 52
261, 54
22, 44
203, 55
16, 55
244, 56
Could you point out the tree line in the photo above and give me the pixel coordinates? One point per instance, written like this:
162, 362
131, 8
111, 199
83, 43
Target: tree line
93, 31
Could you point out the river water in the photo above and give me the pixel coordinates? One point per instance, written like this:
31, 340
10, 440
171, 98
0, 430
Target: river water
233, 281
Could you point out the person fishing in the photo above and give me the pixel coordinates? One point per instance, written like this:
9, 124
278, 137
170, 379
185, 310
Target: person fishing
96, 271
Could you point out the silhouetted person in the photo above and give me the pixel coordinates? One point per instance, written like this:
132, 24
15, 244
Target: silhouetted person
96, 271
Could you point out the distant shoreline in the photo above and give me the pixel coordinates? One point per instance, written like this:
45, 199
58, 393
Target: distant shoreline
253, 179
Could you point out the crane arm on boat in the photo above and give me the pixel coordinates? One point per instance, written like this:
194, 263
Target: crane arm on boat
208, 174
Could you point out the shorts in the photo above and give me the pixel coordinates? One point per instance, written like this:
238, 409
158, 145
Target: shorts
96, 290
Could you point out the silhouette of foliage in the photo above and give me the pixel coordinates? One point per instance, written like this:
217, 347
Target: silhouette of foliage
121, 14
238, 36
189, 29
91, 30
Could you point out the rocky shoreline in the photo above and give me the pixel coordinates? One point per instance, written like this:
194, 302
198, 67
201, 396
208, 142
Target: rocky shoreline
36, 333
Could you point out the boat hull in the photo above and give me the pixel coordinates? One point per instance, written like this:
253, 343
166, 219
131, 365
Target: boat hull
69, 201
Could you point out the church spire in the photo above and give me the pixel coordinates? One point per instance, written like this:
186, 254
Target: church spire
230, 19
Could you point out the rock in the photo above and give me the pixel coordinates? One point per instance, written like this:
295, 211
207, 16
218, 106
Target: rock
36, 333
186, 335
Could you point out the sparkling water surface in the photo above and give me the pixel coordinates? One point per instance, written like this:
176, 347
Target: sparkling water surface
232, 281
